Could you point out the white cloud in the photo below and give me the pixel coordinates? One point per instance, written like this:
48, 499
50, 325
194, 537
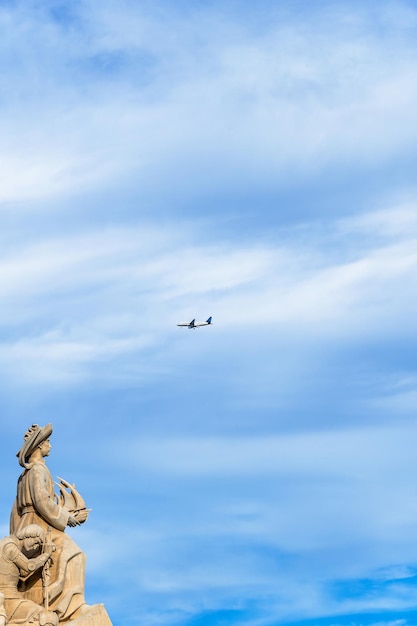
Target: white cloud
177, 107
399, 221
116, 291
312, 453
356, 485
232, 106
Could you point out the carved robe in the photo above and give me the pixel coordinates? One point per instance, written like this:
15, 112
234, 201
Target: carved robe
36, 504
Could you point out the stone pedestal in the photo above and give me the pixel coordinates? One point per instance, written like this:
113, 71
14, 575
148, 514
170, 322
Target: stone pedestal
95, 616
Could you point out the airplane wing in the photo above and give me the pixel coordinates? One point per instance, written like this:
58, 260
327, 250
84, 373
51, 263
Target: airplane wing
194, 324
188, 324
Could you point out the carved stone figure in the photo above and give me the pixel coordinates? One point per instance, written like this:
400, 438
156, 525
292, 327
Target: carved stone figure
61, 588
3, 615
18, 561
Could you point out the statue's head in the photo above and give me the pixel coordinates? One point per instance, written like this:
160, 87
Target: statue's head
34, 438
32, 537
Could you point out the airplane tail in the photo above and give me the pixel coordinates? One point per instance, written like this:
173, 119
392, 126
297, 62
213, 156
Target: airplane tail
209, 320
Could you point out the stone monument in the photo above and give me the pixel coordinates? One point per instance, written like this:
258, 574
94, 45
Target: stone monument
41, 568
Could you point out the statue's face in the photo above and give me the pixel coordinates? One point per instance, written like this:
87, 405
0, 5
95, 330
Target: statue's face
31, 544
45, 447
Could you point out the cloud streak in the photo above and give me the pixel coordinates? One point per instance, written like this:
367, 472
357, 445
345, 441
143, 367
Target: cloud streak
117, 271
253, 162
299, 106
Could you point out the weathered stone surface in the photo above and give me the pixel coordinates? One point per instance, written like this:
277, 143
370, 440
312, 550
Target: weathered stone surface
41, 567
95, 616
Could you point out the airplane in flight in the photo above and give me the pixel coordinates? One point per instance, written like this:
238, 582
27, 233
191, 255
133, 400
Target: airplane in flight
193, 324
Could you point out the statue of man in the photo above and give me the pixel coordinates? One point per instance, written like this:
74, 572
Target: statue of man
36, 503
19, 559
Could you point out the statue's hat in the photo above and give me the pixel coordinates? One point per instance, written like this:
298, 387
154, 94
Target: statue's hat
34, 436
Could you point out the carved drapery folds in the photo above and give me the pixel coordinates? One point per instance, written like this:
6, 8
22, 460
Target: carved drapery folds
41, 568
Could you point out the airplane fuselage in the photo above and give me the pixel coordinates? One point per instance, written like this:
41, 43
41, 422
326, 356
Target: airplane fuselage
193, 324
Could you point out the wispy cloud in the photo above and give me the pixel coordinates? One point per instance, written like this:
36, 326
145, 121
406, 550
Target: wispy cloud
300, 97
253, 162
115, 291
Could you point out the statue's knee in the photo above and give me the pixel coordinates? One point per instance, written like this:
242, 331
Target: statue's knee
48, 618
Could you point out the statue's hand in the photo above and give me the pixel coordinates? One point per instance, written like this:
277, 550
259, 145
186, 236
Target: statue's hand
72, 521
81, 515
49, 548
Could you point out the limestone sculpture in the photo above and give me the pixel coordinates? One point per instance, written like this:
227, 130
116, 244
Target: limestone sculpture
41, 568
17, 563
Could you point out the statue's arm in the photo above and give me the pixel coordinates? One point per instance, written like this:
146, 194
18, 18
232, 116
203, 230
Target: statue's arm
26, 566
14, 517
40, 485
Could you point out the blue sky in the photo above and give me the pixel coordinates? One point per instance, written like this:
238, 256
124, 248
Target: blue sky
253, 161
